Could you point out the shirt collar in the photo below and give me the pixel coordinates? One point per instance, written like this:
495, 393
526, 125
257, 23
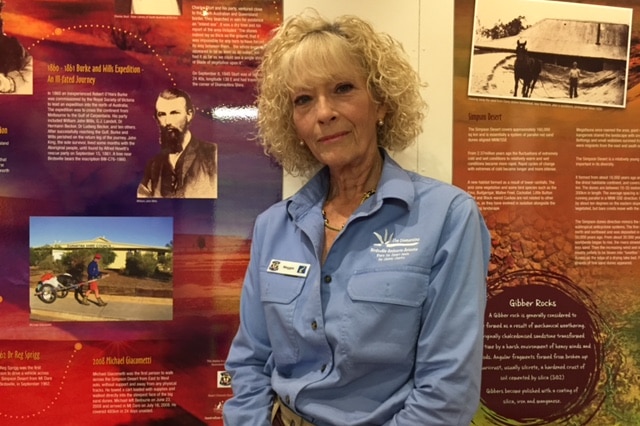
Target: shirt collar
395, 182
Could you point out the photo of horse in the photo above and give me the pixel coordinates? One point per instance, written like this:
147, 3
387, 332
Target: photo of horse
526, 68
532, 50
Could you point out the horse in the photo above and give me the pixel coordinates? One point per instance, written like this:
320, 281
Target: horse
527, 69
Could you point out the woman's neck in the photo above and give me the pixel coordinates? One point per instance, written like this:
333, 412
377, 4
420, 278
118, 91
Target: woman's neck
347, 187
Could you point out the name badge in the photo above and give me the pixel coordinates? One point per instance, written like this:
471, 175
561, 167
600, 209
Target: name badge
285, 267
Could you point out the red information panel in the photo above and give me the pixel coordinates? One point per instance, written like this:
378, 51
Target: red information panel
129, 182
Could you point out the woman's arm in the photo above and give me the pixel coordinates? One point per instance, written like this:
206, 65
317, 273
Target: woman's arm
449, 350
248, 360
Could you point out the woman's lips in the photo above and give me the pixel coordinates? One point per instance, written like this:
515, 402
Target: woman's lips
333, 137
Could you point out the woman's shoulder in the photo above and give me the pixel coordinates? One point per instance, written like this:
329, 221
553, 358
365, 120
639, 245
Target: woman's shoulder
275, 210
424, 183
430, 192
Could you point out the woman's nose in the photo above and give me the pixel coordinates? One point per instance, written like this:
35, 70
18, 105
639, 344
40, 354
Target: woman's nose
326, 111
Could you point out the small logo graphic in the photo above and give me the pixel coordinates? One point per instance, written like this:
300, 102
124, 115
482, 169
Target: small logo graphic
383, 241
224, 379
275, 265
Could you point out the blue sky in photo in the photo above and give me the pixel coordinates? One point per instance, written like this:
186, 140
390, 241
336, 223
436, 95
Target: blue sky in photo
152, 231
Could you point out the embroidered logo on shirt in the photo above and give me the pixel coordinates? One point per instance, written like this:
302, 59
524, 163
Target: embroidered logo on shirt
285, 267
389, 248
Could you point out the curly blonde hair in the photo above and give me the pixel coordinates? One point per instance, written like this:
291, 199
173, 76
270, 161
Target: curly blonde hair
309, 46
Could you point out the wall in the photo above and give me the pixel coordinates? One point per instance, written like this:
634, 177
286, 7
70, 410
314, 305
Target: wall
425, 29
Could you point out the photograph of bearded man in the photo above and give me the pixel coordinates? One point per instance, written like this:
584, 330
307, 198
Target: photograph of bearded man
186, 166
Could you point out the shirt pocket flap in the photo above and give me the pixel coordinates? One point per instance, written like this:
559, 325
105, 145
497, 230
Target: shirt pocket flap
406, 288
278, 288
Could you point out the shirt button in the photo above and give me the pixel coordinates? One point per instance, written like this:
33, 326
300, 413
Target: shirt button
314, 325
327, 279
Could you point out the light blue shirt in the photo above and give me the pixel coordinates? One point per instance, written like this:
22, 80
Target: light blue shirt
389, 331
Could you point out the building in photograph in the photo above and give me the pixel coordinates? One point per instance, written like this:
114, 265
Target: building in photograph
121, 250
597, 46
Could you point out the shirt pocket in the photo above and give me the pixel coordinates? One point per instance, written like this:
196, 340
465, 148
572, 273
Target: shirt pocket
383, 321
279, 294
279, 288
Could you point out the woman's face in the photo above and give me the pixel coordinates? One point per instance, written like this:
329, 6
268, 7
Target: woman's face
336, 118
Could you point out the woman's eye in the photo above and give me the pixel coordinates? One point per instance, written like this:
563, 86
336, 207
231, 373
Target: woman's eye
301, 100
344, 87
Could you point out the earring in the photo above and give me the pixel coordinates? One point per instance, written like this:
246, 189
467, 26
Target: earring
380, 122
301, 143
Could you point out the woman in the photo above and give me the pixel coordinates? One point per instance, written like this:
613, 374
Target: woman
364, 298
